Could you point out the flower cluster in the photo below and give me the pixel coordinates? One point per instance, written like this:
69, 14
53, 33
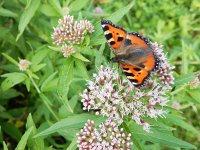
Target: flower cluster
67, 50
71, 32
116, 98
24, 64
195, 82
164, 71
107, 136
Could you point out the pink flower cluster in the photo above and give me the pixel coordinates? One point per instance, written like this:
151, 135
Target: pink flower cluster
164, 72
107, 136
70, 31
24, 64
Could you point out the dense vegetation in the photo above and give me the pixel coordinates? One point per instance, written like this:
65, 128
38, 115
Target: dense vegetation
40, 106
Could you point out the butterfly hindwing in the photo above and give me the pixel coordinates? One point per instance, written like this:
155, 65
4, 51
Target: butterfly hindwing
139, 43
115, 35
135, 74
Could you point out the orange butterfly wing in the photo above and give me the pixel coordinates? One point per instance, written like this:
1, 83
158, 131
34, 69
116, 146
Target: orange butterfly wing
114, 35
135, 74
119, 40
138, 41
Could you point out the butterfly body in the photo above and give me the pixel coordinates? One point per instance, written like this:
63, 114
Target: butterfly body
132, 51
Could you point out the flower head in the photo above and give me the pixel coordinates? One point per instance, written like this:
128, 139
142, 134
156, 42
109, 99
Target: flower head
164, 72
70, 31
67, 50
106, 137
24, 64
195, 82
116, 98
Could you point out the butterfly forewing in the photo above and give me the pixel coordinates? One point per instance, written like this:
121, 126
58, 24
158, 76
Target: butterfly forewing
115, 35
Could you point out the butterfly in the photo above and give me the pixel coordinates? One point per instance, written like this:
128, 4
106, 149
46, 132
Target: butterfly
132, 51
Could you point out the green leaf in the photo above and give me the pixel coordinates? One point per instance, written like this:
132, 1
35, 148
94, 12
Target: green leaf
195, 94
7, 13
81, 57
65, 78
28, 84
10, 59
48, 10
160, 136
57, 49
77, 5
49, 79
48, 104
73, 144
179, 122
115, 17
81, 69
5, 146
72, 122
22, 143
56, 6
184, 79
13, 131
1, 135
34, 143
36, 68
134, 140
6, 32
12, 79
39, 55
27, 15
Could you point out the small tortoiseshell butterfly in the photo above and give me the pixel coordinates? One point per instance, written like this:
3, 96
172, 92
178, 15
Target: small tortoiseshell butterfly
133, 52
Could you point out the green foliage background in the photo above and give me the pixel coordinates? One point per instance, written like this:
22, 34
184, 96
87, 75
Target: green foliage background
41, 108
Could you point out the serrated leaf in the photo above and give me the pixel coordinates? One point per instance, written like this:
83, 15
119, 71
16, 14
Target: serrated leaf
27, 15
77, 5
22, 143
72, 122
7, 13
